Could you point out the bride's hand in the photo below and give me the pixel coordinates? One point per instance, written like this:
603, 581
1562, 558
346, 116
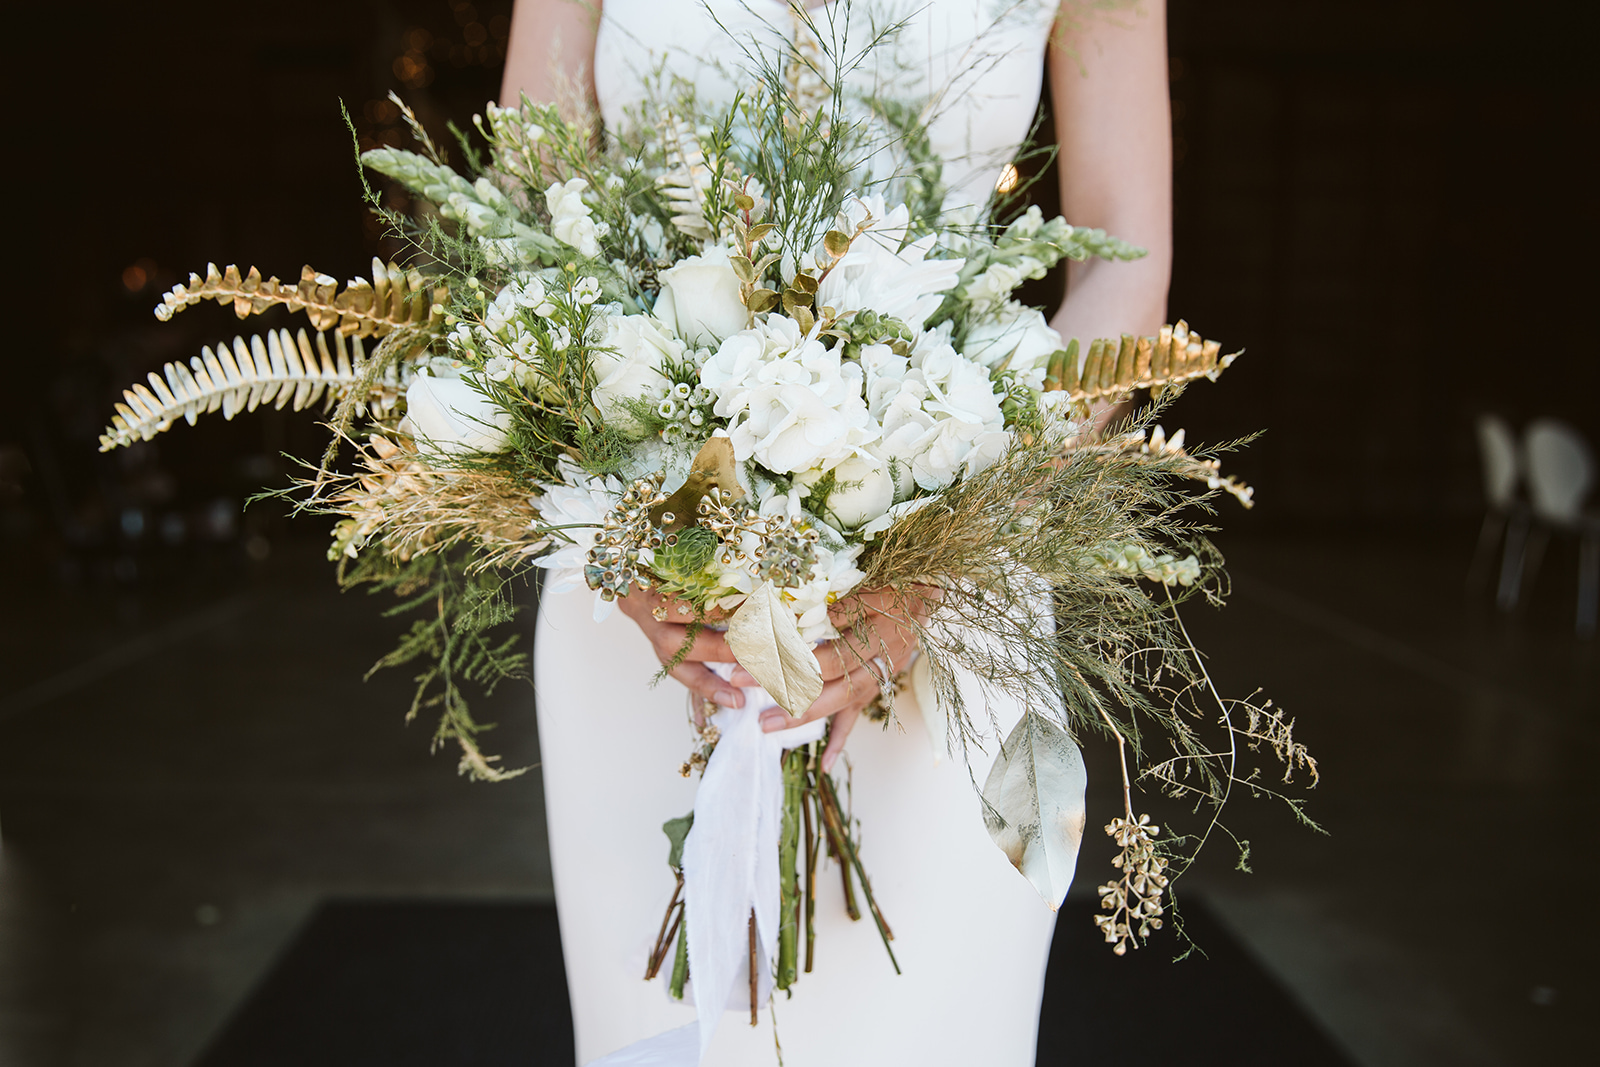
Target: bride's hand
667, 638
875, 641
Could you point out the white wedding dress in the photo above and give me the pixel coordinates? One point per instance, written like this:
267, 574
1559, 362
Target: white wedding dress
971, 934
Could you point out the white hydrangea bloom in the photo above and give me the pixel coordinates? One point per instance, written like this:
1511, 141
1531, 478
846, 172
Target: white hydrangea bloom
794, 404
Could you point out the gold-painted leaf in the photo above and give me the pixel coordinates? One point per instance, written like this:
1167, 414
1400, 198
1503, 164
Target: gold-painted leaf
394, 298
762, 300
836, 243
714, 465
277, 368
1114, 368
765, 637
1033, 804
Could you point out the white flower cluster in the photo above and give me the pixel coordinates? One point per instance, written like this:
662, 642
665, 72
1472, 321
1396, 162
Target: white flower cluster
837, 429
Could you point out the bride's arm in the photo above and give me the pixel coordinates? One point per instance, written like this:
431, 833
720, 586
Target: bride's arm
1108, 77
551, 49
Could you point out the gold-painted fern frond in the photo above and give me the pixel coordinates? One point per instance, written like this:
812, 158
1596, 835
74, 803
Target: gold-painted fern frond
394, 298
686, 179
280, 368
1113, 369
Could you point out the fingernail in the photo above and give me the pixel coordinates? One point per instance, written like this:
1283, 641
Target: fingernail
828, 761
773, 720
730, 698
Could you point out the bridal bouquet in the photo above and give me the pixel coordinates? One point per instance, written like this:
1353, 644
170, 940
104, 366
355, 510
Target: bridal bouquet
744, 356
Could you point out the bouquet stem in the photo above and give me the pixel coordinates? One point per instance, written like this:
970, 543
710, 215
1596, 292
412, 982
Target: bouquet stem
830, 812
674, 914
754, 974
794, 782
812, 850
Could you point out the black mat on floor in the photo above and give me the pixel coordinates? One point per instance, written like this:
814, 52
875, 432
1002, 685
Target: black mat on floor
426, 984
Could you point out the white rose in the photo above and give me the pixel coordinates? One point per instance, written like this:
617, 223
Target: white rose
451, 417
569, 216
863, 490
629, 366
1020, 338
699, 298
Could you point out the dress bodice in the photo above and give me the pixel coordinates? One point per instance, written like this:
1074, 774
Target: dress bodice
976, 65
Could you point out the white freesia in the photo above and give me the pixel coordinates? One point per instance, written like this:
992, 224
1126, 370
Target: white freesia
834, 575
794, 404
879, 274
449, 416
699, 298
628, 366
570, 221
579, 503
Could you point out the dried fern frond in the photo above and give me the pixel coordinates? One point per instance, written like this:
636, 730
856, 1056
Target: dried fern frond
282, 368
687, 178
1113, 369
394, 298
1169, 452
406, 507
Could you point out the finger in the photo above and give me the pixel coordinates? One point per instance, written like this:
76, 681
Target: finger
912, 601
891, 642
838, 730
851, 693
709, 646
669, 641
707, 685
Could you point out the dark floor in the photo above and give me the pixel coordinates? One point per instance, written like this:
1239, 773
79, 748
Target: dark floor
185, 776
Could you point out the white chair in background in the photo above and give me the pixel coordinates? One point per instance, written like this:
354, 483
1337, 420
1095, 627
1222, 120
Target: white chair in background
1560, 471
1501, 473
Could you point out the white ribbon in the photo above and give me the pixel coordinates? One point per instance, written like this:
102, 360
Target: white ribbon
730, 867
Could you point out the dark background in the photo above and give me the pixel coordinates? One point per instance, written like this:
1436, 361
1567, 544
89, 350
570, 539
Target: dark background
1390, 205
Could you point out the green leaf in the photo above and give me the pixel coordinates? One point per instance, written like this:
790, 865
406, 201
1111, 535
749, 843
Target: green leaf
765, 638
677, 830
1033, 804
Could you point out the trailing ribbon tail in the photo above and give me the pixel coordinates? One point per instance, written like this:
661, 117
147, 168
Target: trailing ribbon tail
730, 869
